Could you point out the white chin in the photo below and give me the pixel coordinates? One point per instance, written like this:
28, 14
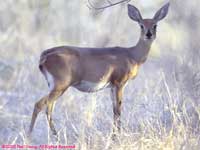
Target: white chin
148, 39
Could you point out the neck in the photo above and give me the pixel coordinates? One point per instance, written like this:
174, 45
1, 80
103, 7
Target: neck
141, 50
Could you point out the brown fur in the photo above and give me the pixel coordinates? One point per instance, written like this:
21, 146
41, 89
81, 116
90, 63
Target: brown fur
92, 69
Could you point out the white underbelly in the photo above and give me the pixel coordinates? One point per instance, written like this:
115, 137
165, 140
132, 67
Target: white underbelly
87, 86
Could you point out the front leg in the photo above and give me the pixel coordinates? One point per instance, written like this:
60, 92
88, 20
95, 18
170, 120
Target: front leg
117, 92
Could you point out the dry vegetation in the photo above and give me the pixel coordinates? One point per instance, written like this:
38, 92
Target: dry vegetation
161, 108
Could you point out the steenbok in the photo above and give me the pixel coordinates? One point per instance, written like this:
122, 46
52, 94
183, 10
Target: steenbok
93, 69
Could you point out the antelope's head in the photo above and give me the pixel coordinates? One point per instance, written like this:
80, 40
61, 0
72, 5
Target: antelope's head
148, 26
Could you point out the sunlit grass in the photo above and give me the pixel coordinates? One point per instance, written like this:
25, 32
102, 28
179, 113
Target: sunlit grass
85, 120
158, 112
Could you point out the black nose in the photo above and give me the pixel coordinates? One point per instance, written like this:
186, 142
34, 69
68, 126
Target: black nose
149, 34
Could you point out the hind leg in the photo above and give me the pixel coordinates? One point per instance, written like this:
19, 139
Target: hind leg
50, 108
39, 106
53, 96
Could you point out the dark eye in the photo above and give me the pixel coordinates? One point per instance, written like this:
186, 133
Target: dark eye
141, 26
155, 27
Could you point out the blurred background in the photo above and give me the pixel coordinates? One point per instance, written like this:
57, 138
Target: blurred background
161, 107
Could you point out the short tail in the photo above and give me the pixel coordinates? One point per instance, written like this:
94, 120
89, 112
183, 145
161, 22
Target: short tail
41, 62
42, 69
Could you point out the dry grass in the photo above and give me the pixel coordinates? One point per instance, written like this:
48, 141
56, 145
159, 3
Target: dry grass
159, 110
155, 116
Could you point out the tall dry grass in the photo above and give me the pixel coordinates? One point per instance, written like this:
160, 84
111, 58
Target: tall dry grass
160, 107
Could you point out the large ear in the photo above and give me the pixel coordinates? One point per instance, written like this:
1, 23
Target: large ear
161, 13
134, 13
